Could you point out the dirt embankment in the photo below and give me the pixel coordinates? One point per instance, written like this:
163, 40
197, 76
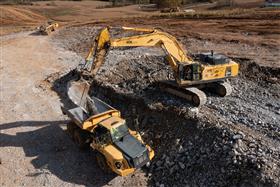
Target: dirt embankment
19, 16
15, 19
26, 17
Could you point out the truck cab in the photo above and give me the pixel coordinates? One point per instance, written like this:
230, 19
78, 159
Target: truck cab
123, 149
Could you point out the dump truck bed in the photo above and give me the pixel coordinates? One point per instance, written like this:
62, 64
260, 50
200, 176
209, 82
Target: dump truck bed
99, 108
86, 107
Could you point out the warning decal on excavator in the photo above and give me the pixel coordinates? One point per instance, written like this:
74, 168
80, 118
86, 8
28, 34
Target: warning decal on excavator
213, 72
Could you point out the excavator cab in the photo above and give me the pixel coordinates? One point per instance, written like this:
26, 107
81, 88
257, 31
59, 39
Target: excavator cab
190, 72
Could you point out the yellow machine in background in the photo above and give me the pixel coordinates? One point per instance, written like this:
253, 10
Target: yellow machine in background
48, 28
100, 126
191, 77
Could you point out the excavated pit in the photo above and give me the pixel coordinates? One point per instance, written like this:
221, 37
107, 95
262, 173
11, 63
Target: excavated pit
232, 141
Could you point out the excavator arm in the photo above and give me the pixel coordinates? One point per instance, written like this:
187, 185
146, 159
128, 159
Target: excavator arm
150, 38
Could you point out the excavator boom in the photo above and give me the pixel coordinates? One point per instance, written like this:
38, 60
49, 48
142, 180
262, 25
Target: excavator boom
156, 38
152, 38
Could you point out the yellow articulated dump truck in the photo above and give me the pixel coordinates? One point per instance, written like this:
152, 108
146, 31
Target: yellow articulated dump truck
100, 126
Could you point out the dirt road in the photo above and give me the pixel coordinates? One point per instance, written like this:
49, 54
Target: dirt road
35, 150
25, 61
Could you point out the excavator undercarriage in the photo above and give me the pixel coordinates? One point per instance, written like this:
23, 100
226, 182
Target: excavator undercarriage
196, 94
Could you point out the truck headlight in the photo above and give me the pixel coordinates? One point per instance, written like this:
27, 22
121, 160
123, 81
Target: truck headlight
118, 165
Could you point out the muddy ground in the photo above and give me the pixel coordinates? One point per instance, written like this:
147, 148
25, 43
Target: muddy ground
232, 141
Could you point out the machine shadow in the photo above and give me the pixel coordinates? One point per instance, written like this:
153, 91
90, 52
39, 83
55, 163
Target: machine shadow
35, 33
55, 153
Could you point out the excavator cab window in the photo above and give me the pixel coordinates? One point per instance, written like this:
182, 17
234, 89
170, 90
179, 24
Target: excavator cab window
196, 72
190, 72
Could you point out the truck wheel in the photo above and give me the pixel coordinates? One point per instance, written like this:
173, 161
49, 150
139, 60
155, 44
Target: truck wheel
101, 160
81, 138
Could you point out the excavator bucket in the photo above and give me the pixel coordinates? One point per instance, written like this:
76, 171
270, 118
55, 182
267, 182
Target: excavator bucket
78, 92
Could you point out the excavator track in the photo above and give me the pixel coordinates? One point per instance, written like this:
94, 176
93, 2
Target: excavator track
191, 94
221, 88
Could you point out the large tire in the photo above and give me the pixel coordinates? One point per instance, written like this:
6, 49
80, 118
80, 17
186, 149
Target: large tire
81, 138
101, 160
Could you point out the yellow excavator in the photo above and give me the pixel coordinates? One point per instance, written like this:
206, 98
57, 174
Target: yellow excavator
209, 72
